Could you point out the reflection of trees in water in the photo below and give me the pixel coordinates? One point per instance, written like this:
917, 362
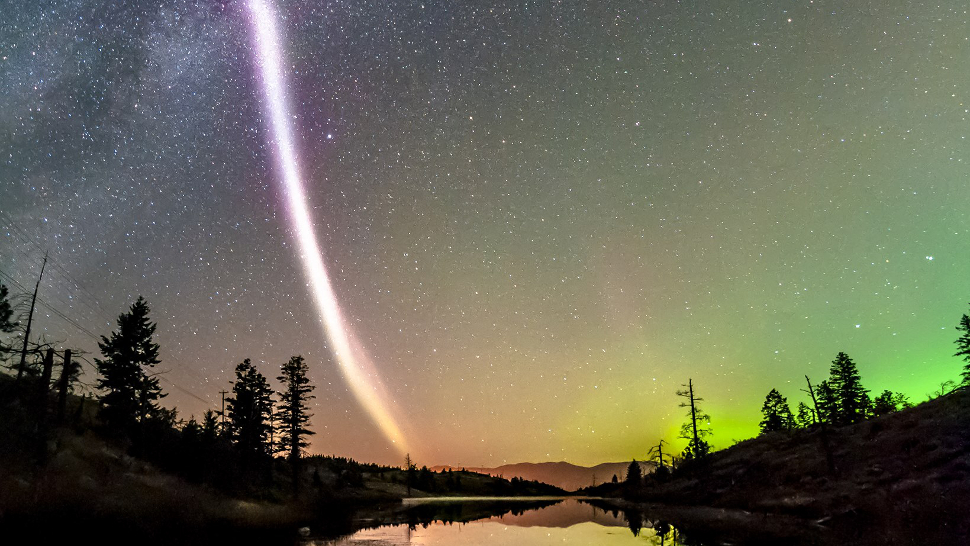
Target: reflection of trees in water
462, 512
634, 520
656, 531
664, 534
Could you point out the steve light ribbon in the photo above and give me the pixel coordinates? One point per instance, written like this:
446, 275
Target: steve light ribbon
356, 367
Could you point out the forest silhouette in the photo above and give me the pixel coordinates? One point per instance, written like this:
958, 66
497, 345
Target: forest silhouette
255, 446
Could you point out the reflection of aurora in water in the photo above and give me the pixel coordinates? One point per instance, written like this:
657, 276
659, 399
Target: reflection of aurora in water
357, 369
567, 522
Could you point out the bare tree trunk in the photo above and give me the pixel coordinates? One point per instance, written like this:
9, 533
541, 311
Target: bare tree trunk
30, 320
829, 459
693, 415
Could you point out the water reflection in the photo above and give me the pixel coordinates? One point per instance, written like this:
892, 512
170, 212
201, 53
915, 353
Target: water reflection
536, 522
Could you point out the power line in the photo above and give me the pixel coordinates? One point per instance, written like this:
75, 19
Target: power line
186, 391
53, 309
74, 298
63, 272
66, 275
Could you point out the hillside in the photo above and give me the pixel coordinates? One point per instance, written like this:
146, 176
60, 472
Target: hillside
560, 474
904, 473
185, 490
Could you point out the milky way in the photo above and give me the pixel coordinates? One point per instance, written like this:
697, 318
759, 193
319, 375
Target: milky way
539, 218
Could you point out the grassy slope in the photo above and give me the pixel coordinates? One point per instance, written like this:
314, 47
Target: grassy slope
89, 485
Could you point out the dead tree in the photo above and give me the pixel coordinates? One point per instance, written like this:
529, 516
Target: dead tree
657, 452
697, 447
823, 431
30, 320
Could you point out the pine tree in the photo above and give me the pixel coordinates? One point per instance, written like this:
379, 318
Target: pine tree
828, 407
851, 399
249, 411
777, 414
634, 475
210, 426
131, 394
884, 403
963, 346
805, 417
889, 402
293, 413
7, 325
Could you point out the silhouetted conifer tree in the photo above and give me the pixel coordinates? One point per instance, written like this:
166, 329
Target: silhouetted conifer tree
426, 480
7, 324
294, 412
634, 476
889, 402
192, 431
210, 425
851, 399
806, 416
828, 409
249, 410
963, 347
131, 394
777, 414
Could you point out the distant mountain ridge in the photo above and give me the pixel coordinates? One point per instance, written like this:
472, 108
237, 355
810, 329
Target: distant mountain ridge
561, 474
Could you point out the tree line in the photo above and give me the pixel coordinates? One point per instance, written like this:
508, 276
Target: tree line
229, 447
257, 423
841, 399
255, 445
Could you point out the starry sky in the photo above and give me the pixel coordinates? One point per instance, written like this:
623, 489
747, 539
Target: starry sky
540, 218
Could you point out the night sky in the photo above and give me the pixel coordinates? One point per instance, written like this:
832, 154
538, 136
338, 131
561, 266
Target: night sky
540, 218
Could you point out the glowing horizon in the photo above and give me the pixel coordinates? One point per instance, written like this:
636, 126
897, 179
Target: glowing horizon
355, 366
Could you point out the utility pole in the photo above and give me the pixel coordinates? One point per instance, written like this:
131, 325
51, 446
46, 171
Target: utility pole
30, 319
222, 413
67, 371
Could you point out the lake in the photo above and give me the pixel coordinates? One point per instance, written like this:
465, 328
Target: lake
520, 521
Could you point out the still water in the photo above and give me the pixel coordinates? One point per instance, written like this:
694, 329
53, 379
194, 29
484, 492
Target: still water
527, 522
